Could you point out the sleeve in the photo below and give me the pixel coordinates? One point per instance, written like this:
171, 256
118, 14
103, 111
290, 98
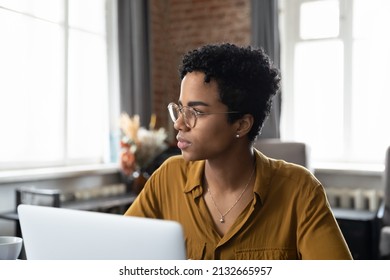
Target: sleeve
319, 236
146, 204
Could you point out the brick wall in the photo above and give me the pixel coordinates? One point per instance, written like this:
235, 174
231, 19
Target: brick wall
177, 26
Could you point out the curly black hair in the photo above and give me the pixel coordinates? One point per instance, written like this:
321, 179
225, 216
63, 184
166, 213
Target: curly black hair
246, 79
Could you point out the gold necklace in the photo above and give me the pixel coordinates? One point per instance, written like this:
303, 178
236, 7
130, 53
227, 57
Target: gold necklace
222, 219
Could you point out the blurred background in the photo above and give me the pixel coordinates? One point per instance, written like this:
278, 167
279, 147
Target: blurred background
69, 68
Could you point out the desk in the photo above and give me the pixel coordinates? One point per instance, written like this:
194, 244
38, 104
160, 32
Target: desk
361, 232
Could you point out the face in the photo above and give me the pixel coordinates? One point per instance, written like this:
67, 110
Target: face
212, 135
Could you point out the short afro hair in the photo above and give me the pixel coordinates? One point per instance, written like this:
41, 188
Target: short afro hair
246, 78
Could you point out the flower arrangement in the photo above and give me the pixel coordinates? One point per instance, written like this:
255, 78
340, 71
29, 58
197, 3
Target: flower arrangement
140, 146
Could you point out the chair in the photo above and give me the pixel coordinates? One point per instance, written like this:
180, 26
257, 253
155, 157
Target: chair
294, 152
31, 195
384, 241
36, 196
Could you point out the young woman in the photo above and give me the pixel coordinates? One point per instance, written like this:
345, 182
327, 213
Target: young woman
232, 201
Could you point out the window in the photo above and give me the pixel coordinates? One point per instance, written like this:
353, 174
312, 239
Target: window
54, 96
336, 91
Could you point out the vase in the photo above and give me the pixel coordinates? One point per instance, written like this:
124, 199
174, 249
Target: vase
135, 181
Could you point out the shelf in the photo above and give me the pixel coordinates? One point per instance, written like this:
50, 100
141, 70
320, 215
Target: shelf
87, 205
100, 203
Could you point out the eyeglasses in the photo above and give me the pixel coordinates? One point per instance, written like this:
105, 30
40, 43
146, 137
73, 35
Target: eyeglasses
190, 114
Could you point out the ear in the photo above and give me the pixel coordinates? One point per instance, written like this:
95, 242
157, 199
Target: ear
244, 125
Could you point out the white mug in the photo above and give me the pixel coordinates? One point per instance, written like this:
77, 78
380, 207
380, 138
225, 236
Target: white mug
10, 247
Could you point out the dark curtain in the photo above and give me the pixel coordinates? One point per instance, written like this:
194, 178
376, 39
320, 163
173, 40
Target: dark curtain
265, 34
134, 59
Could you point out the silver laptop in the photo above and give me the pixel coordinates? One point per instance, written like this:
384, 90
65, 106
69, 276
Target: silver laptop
62, 234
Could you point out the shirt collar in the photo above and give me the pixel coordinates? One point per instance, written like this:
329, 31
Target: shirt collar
194, 177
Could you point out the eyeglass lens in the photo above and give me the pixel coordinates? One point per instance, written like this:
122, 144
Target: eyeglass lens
188, 114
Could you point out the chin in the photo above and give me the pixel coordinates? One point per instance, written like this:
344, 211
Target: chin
187, 156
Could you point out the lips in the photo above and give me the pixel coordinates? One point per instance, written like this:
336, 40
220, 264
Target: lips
182, 143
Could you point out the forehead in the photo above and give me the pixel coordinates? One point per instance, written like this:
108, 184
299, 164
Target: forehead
194, 88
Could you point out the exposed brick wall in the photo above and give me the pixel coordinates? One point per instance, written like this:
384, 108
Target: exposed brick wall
177, 26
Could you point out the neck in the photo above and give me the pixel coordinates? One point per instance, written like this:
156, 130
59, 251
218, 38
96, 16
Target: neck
229, 174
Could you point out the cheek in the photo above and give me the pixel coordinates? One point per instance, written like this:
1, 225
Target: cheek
214, 136
209, 142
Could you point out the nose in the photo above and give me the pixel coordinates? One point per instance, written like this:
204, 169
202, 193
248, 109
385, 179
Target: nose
179, 124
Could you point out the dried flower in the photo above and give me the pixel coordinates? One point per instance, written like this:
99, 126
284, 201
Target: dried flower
140, 146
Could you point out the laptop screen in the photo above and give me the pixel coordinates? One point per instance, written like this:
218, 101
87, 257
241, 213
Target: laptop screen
62, 234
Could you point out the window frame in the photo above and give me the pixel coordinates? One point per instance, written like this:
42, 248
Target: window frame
289, 24
109, 154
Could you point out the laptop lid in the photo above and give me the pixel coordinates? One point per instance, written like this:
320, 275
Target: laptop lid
51, 233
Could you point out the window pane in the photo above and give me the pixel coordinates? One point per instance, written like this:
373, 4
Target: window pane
31, 89
371, 18
53, 92
319, 19
371, 100
88, 103
318, 98
366, 94
46, 9
370, 80
95, 9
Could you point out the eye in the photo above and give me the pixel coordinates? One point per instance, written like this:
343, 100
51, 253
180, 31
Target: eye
197, 111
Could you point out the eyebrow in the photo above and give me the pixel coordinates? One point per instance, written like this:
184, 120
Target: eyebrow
194, 103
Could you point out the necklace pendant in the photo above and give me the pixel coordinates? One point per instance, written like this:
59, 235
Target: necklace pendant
222, 220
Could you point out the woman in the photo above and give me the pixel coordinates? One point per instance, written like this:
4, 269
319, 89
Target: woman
232, 201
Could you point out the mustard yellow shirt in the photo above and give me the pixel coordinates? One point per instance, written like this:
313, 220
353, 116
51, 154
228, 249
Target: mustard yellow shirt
289, 217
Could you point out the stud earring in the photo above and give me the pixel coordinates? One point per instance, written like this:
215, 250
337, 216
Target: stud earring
237, 135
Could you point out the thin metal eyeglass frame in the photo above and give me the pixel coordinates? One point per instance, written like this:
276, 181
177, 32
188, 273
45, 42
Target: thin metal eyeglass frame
173, 106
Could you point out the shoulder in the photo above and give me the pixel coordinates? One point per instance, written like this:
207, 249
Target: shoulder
292, 186
291, 171
176, 163
284, 169
281, 176
176, 168
174, 177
